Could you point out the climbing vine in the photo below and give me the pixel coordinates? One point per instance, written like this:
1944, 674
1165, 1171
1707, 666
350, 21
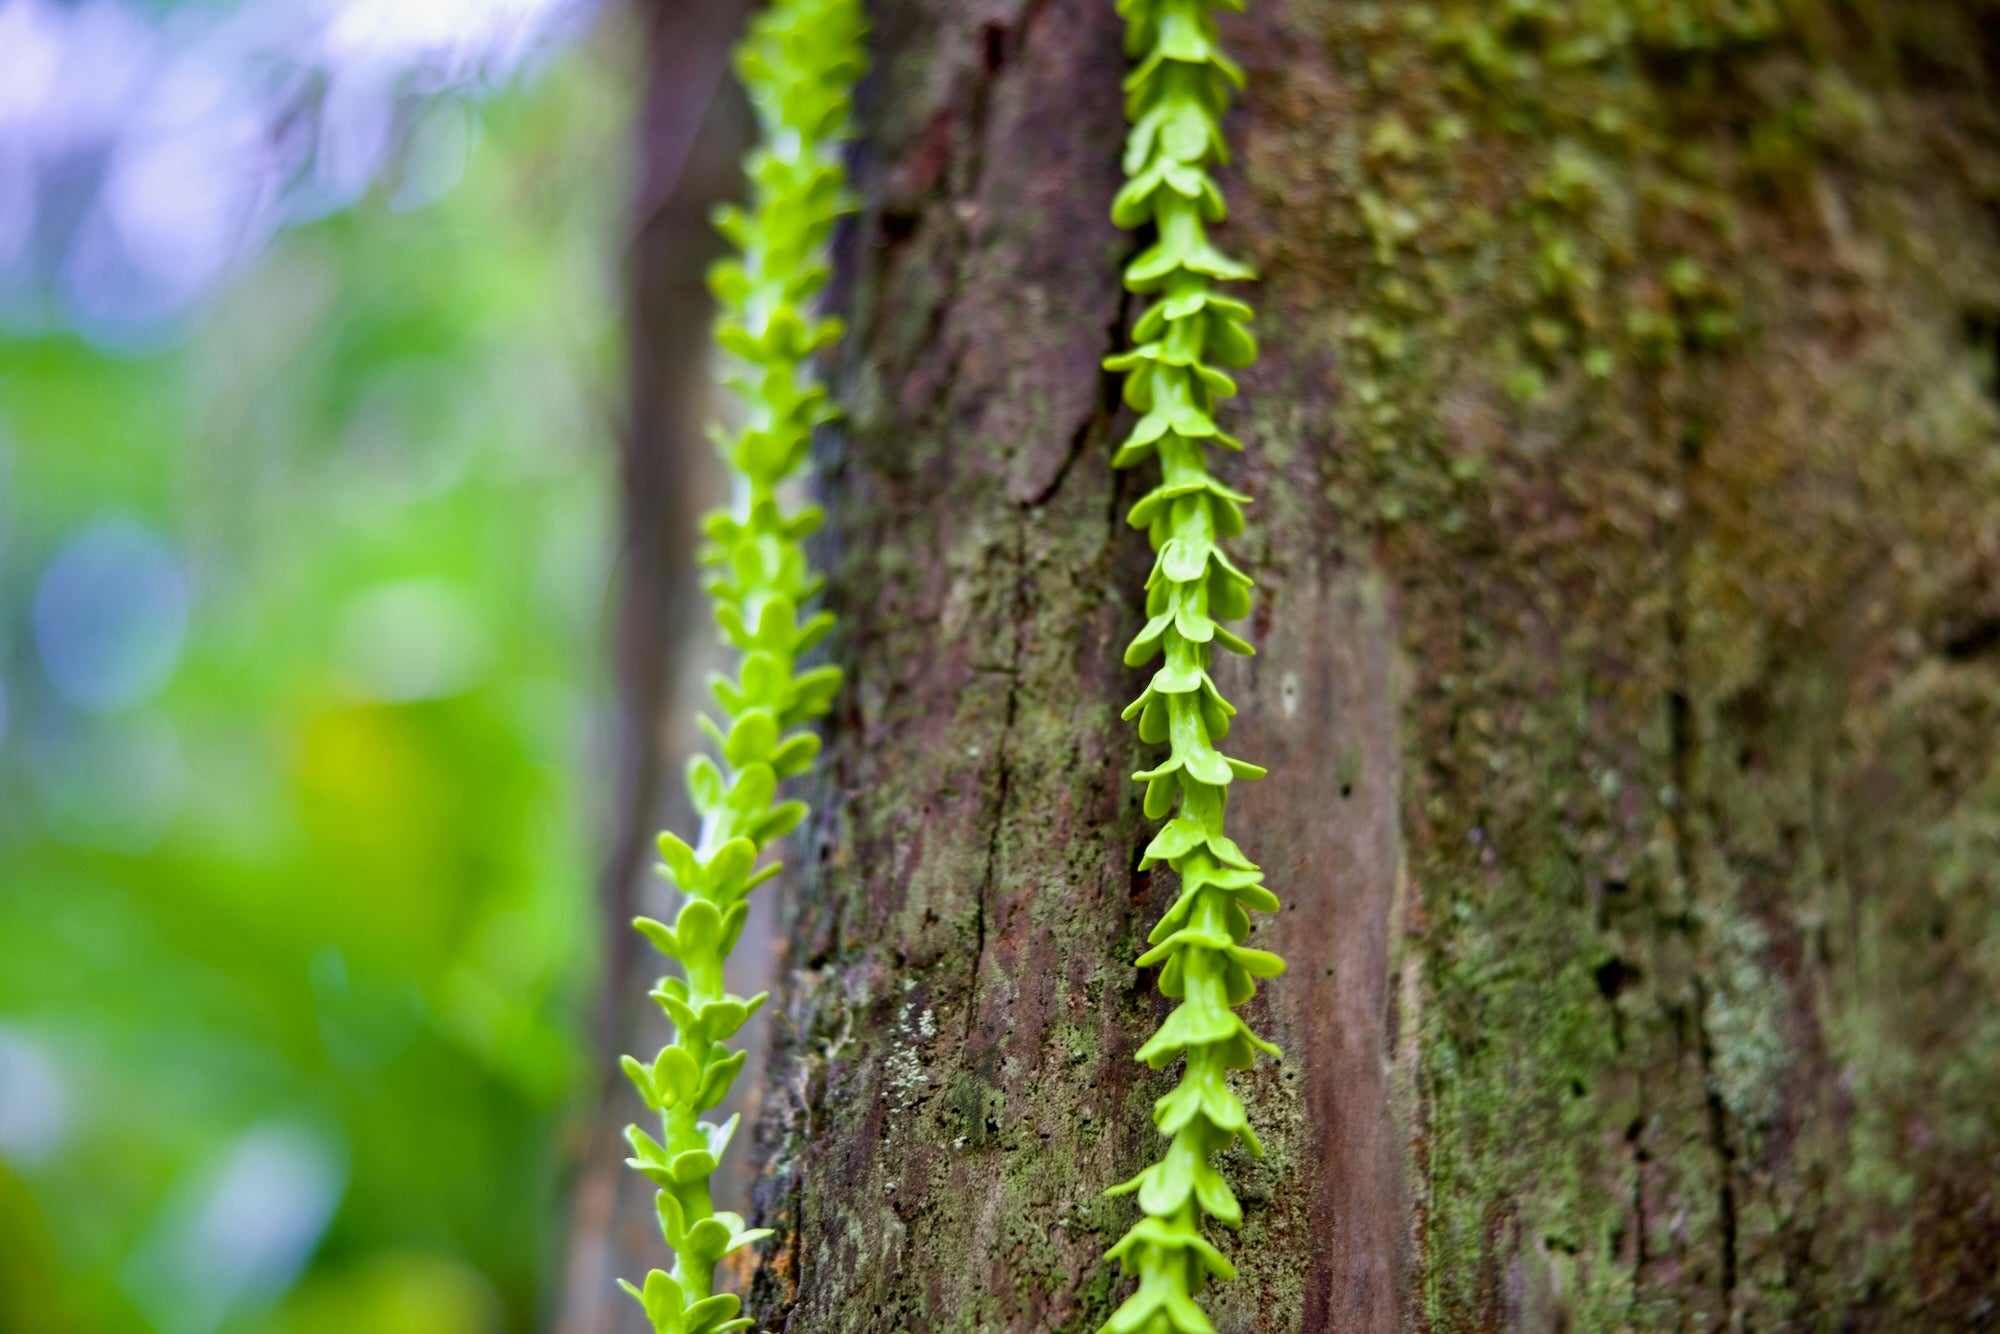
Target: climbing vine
1175, 96
798, 62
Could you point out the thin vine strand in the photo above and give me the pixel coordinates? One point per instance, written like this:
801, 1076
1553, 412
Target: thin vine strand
798, 62
1174, 97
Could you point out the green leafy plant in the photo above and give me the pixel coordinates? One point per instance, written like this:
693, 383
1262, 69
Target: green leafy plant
1175, 97
798, 62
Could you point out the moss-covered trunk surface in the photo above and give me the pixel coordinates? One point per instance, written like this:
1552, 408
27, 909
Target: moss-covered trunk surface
1628, 538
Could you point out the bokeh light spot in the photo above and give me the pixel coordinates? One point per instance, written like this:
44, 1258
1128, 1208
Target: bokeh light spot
239, 1232
34, 1104
110, 783
110, 616
411, 640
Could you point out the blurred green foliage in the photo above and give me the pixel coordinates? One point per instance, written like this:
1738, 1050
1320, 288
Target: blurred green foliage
293, 948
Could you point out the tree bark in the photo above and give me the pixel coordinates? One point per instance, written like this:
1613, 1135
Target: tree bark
1628, 547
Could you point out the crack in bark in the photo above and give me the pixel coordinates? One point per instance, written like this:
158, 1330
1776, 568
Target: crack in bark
1682, 743
1095, 428
1091, 432
1023, 610
978, 113
1639, 1160
967, 191
1725, 1152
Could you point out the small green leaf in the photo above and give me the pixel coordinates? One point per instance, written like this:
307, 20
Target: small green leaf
795, 754
752, 739
716, 1079
729, 866
780, 820
732, 926
675, 1076
749, 1237
641, 1077
660, 934
712, 1315
705, 783
753, 789
699, 927
690, 1165
680, 863
673, 1219
1175, 840
706, 1240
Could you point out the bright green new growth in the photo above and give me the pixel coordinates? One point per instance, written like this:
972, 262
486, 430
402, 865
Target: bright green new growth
1175, 96
798, 62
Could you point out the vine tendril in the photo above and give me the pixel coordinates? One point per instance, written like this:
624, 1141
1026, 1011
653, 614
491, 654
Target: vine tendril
798, 62
1175, 95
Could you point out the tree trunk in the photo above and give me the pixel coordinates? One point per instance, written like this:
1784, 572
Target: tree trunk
1628, 547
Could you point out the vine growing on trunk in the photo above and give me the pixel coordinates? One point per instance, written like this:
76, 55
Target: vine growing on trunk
798, 62
1174, 97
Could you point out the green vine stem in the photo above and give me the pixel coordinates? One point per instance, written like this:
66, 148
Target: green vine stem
1175, 97
798, 61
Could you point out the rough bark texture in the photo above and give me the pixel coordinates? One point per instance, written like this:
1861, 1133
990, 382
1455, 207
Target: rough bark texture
1628, 541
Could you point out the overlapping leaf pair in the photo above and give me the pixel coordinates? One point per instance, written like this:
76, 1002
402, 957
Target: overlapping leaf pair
798, 62
1175, 96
